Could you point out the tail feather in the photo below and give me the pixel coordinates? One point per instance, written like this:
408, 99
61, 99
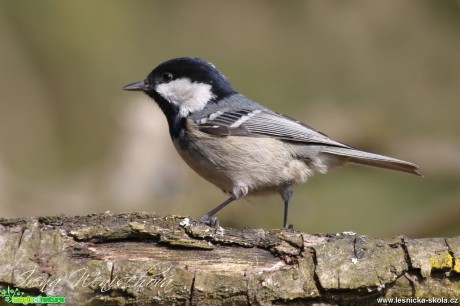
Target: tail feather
370, 159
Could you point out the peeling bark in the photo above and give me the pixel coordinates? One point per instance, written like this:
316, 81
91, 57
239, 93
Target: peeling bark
143, 259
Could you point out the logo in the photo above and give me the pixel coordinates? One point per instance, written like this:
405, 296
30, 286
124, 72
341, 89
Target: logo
15, 296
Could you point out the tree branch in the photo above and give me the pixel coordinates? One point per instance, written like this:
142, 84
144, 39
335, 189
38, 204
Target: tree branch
140, 259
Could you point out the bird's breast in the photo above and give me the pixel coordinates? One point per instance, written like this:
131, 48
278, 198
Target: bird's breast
261, 164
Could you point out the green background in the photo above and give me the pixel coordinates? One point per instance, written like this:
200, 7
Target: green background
383, 76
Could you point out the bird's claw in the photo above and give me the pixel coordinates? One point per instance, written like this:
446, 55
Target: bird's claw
211, 221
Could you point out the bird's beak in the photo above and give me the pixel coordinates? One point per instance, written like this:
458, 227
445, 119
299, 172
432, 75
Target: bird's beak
138, 86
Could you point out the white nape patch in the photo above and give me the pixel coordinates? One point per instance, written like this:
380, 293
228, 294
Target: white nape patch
215, 68
245, 118
188, 96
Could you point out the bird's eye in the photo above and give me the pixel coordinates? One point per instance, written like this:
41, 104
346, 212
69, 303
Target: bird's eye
166, 77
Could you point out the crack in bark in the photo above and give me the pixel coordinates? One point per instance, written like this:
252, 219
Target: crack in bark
412, 281
315, 274
406, 253
38, 230
451, 253
338, 279
354, 248
111, 271
192, 289
20, 241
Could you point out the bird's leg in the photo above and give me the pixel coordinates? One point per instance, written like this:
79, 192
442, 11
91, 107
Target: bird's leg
214, 221
286, 194
238, 191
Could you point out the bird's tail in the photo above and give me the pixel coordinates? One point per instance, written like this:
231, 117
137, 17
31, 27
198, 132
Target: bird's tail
343, 155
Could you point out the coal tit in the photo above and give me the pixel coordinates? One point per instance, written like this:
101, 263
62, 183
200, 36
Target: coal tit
239, 145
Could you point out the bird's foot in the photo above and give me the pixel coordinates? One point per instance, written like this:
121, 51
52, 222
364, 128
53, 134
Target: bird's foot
211, 221
290, 227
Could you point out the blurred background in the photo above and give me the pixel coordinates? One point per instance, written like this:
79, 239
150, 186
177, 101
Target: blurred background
383, 76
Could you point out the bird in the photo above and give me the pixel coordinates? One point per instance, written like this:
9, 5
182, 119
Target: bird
241, 146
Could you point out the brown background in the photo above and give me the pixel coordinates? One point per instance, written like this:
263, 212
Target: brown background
383, 76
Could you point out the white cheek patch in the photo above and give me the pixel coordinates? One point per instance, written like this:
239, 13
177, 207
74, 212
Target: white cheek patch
188, 96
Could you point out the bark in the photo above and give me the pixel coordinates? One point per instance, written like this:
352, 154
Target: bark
144, 259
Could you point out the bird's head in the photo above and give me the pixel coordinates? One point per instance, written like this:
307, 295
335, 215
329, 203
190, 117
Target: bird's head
184, 85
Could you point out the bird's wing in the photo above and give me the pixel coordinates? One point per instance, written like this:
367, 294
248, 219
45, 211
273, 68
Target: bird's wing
262, 123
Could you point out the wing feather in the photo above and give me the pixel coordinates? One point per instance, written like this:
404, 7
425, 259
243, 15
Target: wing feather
263, 123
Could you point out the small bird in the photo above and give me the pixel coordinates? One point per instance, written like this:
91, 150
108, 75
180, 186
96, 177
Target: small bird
239, 145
